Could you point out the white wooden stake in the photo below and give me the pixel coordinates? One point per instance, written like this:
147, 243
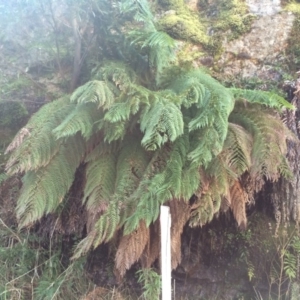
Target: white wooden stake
165, 239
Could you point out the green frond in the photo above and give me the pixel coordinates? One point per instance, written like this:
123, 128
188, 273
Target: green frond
209, 105
34, 145
131, 165
269, 138
151, 192
136, 97
221, 179
156, 192
118, 112
43, 190
103, 231
114, 131
118, 73
82, 119
174, 168
163, 122
262, 97
94, 91
100, 147
107, 224
237, 148
160, 47
190, 181
204, 146
100, 182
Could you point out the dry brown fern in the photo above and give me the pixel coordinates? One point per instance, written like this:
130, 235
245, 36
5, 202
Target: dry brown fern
152, 249
130, 249
180, 213
238, 204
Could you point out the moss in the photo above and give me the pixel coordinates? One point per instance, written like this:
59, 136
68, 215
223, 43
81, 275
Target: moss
182, 23
293, 7
208, 26
228, 15
188, 54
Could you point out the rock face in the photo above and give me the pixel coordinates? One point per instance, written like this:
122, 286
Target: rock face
256, 53
264, 7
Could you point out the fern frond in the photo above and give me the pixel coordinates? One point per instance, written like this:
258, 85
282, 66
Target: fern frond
238, 204
150, 193
131, 248
100, 182
34, 145
204, 211
82, 119
43, 190
113, 131
161, 123
269, 139
204, 146
118, 73
108, 223
209, 105
262, 97
180, 213
94, 91
237, 148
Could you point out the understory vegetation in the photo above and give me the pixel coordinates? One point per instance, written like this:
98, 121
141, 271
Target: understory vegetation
127, 128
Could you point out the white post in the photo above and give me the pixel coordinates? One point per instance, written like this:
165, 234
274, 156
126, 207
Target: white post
165, 239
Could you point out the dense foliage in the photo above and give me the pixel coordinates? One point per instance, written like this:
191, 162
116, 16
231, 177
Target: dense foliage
147, 132
136, 128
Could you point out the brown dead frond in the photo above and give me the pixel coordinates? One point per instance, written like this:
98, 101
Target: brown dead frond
225, 203
130, 249
238, 204
180, 213
152, 249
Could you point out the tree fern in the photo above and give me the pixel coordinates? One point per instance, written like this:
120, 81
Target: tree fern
147, 133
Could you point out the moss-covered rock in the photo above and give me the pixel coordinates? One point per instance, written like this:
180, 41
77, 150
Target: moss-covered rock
183, 23
228, 15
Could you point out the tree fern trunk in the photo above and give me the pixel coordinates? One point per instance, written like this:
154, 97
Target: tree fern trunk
285, 194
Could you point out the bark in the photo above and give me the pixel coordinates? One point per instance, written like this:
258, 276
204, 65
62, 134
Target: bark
285, 194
